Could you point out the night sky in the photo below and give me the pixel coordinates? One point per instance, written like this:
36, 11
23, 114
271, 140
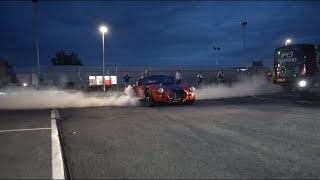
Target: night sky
155, 32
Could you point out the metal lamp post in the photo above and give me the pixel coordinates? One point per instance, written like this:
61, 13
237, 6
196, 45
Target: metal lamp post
216, 49
37, 37
103, 30
243, 24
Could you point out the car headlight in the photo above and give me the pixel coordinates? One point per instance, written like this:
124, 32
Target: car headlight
302, 83
192, 89
160, 90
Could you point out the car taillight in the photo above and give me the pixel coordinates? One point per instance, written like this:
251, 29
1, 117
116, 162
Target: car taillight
303, 71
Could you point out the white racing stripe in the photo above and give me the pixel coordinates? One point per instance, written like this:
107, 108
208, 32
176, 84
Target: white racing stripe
19, 130
57, 162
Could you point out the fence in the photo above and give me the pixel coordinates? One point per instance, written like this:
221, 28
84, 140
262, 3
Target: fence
60, 75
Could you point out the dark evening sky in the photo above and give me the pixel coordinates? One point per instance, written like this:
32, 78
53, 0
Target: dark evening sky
155, 32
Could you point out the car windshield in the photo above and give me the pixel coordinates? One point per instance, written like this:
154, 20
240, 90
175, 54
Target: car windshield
160, 79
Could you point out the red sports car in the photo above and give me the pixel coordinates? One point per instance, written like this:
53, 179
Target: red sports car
156, 89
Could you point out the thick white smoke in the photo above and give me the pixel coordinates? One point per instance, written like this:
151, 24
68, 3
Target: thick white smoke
43, 99
245, 87
53, 98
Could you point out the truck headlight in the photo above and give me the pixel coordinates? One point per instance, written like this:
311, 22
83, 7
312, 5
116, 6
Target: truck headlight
192, 89
302, 83
25, 84
160, 90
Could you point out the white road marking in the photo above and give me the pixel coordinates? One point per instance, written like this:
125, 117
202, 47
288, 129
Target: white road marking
19, 130
57, 162
280, 100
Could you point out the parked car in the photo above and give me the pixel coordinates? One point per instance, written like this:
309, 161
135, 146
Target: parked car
157, 89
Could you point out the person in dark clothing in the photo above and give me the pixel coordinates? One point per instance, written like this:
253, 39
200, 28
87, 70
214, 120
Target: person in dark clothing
126, 79
220, 77
199, 77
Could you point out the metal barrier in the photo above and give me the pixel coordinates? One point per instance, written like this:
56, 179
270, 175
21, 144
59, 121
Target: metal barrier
59, 75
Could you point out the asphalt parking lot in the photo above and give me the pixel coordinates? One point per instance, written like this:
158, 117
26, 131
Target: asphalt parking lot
25, 138
269, 136
250, 137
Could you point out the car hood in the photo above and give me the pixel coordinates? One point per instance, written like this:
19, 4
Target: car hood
171, 87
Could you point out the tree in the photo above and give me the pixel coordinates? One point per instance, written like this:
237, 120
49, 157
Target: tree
61, 58
258, 63
7, 75
257, 66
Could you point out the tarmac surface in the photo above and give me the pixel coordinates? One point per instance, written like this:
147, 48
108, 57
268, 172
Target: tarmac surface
25, 141
270, 136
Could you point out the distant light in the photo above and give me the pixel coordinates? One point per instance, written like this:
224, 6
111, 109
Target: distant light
103, 29
288, 41
25, 84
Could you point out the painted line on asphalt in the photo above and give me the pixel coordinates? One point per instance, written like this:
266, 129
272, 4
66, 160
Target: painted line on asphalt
19, 130
280, 100
57, 162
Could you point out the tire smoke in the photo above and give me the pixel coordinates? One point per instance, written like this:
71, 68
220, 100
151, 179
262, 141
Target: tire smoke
21, 98
248, 87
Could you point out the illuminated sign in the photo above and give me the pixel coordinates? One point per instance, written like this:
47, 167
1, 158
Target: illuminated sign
97, 80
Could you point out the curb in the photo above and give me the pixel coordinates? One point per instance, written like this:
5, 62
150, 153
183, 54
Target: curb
60, 169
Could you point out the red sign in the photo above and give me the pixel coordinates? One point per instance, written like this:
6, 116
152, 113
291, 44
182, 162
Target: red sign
107, 82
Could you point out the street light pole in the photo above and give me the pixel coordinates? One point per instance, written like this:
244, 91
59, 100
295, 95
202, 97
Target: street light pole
37, 38
103, 29
103, 80
216, 52
243, 23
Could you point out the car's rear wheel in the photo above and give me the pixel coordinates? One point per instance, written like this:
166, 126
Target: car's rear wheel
149, 102
189, 102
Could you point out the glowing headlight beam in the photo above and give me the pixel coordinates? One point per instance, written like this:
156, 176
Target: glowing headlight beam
302, 83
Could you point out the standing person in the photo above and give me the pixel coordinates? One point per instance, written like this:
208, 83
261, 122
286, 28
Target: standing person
220, 77
199, 77
126, 79
172, 74
178, 77
146, 73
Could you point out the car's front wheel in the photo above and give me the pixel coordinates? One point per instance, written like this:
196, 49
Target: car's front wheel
149, 102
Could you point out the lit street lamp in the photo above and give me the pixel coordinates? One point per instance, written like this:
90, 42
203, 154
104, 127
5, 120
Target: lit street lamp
103, 29
243, 23
37, 37
288, 41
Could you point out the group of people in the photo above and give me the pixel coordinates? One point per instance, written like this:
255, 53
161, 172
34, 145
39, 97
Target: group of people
220, 77
178, 77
